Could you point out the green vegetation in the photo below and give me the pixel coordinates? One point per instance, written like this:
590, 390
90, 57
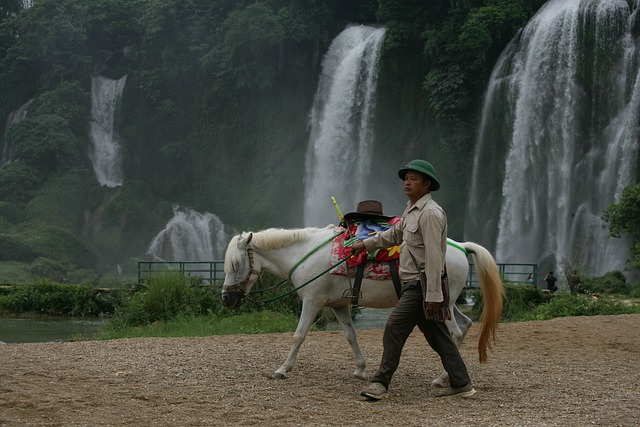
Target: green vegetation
185, 325
163, 298
564, 304
59, 299
613, 283
604, 295
624, 219
173, 305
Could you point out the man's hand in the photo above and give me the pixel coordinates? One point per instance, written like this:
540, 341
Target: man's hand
433, 311
357, 248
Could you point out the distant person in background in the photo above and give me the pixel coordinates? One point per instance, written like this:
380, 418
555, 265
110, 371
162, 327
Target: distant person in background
531, 280
550, 280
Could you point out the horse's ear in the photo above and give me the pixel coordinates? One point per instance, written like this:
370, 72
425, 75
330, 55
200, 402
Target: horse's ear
244, 240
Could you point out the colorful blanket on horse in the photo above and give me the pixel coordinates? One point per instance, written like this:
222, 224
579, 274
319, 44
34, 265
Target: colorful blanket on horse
377, 263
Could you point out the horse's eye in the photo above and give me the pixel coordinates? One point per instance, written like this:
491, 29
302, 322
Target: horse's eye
236, 266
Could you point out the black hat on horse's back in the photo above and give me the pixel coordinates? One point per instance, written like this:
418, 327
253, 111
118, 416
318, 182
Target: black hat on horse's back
367, 209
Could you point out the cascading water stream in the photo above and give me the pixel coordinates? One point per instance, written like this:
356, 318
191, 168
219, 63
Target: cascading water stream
15, 117
559, 136
104, 149
339, 152
190, 236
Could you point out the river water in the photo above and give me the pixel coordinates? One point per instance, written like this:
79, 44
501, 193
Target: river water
31, 329
368, 318
375, 318
47, 328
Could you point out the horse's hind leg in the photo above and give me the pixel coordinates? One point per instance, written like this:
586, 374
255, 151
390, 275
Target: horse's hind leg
307, 317
458, 327
344, 317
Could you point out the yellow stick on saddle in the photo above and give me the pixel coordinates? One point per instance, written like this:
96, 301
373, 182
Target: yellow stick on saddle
338, 211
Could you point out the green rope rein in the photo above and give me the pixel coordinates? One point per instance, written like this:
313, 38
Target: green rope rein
304, 258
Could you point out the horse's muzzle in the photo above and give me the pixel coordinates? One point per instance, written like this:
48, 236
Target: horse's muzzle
232, 299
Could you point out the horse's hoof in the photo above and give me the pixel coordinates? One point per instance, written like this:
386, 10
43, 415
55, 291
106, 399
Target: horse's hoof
279, 376
360, 376
438, 383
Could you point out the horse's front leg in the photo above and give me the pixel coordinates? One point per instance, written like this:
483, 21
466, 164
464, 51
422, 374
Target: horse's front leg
308, 315
344, 317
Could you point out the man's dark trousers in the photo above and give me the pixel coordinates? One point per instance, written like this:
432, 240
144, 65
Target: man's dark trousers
405, 316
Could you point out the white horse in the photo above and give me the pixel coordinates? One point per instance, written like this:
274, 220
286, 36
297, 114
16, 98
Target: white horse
303, 255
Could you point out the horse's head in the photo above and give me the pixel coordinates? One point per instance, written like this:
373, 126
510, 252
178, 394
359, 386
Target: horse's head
240, 273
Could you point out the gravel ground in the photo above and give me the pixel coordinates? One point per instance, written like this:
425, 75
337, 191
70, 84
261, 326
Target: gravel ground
564, 372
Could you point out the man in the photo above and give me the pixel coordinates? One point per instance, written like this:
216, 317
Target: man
551, 282
422, 232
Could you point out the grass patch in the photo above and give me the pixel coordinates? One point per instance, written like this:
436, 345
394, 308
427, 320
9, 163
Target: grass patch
524, 303
565, 305
259, 322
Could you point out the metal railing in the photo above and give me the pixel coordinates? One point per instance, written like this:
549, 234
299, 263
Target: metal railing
213, 271
514, 273
210, 271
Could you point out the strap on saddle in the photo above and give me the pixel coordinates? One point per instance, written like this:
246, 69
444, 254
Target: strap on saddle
357, 285
395, 277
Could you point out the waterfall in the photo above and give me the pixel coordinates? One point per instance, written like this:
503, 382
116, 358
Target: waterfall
559, 136
190, 236
338, 156
104, 150
15, 117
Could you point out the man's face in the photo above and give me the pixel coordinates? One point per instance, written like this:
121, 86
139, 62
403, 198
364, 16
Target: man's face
415, 185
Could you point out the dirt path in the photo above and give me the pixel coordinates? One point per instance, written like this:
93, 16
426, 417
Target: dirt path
565, 372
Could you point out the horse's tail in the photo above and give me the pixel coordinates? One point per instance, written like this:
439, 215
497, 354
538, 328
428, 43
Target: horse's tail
493, 293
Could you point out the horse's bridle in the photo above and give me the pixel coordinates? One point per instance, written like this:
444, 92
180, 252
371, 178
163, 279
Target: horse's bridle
241, 287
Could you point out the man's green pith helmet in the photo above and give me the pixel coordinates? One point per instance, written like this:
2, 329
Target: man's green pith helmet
421, 166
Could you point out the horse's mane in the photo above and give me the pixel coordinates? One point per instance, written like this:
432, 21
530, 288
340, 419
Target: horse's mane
272, 238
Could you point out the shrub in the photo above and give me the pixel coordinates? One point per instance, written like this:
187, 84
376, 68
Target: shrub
161, 298
10, 212
635, 291
19, 182
113, 280
14, 248
45, 268
519, 300
13, 272
564, 305
59, 300
167, 296
46, 241
273, 293
82, 275
613, 283
59, 202
45, 141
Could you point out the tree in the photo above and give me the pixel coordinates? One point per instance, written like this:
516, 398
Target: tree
574, 266
9, 8
18, 182
69, 101
45, 141
624, 219
250, 51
